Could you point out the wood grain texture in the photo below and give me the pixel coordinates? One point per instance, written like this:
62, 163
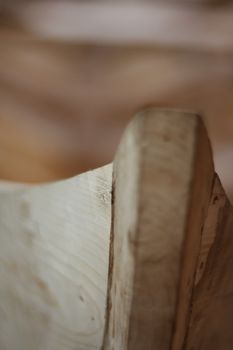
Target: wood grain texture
169, 285
199, 192
211, 307
155, 180
171, 265
54, 244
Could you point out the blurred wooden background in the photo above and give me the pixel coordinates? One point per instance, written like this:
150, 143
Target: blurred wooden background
64, 104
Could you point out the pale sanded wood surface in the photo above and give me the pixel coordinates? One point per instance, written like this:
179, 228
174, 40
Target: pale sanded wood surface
54, 242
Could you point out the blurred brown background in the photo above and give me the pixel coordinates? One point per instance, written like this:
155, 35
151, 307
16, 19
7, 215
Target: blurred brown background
64, 103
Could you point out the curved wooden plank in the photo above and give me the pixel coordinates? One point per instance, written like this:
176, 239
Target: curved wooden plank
163, 175
54, 245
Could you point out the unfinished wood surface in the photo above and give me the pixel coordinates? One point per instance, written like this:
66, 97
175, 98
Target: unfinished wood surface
169, 285
54, 246
171, 266
156, 178
211, 309
199, 192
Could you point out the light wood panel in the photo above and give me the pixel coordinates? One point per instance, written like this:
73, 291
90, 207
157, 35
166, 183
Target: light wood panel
54, 244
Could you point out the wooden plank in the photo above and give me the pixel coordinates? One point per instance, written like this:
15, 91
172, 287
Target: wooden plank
171, 266
154, 185
163, 168
54, 246
200, 192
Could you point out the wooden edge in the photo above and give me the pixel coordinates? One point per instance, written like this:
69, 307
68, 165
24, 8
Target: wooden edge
163, 175
202, 180
205, 298
211, 307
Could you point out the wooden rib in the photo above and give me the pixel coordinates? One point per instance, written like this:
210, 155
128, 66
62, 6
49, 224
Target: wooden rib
161, 169
171, 270
211, 308
200, 192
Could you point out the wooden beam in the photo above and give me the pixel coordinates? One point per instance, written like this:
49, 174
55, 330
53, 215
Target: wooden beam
169, 266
